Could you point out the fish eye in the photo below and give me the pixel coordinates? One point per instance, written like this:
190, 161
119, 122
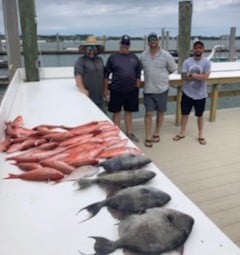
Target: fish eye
145, 191
169, 218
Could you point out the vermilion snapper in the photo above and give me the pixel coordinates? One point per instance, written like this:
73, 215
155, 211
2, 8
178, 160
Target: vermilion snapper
59, 165
38, 174
27, 166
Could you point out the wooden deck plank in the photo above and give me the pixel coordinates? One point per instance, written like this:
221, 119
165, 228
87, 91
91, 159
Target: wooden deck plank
209, 175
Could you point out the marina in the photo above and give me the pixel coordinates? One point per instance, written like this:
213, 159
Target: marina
40, 216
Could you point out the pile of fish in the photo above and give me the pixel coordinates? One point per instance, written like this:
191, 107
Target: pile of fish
50, 152
145, 227
61, 153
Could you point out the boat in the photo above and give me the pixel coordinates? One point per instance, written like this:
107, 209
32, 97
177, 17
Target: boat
219, 53
3, 63
212, 56
47, 213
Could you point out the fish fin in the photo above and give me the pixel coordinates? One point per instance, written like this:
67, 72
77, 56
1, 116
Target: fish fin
93, 209
103, 246
84, 183
84, 253
180, 249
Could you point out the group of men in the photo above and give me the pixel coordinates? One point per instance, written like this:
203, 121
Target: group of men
119, 81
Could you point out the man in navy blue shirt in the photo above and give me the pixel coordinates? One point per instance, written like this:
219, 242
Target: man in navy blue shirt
125, 70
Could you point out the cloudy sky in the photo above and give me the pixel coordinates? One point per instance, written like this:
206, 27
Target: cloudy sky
134, 17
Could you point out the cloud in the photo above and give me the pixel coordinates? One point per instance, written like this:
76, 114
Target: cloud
135, 17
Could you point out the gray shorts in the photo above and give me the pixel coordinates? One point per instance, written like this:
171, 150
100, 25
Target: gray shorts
156, 102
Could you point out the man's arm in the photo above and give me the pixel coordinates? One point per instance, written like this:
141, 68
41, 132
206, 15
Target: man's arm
199, 77
106, 88
80, 85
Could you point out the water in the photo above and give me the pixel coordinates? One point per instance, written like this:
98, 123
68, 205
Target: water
69, 59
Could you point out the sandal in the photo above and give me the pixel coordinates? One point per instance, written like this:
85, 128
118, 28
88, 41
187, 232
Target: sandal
178, 137
202, 141
156, 139
148, 143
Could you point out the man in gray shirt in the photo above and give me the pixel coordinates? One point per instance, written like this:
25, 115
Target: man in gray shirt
157, 64
195, 71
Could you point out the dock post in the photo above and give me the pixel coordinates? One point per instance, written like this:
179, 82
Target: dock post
29, 37
167, 41
214, 102
232, 43
57, 40
12, 36
178, 106
184, 33
184, 39
163, 38
145, 42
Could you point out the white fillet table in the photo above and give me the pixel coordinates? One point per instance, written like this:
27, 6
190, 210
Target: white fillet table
40, 218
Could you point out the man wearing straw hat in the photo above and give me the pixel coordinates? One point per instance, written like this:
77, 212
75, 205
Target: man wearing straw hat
89, 71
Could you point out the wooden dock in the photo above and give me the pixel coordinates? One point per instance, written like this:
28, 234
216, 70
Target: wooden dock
209, 175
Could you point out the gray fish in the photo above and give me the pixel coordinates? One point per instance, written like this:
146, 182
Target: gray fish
119, 180
126, 161
131, 200
81, 172
154, 232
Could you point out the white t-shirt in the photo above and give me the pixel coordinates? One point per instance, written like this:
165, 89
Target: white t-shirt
194, 88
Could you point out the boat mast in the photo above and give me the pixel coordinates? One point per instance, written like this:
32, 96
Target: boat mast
29, 38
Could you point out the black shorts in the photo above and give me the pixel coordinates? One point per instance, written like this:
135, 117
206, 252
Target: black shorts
187, 103
129, 101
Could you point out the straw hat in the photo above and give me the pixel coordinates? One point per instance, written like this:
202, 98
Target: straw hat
91, 41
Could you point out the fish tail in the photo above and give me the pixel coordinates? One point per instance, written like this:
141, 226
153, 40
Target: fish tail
93, 209
11, 176
103, 246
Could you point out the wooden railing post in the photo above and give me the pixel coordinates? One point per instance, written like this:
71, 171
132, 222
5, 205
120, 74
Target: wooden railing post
178, 106
214, 102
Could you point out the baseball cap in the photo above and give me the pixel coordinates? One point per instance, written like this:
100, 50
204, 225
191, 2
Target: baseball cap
198, 42
125, 39
152, 36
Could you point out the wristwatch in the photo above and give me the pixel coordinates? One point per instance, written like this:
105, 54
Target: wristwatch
190, 75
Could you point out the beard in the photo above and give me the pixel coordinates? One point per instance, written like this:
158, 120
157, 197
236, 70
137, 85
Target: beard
198, 54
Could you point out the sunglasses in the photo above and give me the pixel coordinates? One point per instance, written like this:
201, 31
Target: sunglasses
152, 39
88, 48
124, 43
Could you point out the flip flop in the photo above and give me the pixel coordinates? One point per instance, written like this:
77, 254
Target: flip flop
148, 143
156, 139
202, 141
178, 137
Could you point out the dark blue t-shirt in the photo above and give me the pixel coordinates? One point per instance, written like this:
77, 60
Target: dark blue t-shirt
125, 69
